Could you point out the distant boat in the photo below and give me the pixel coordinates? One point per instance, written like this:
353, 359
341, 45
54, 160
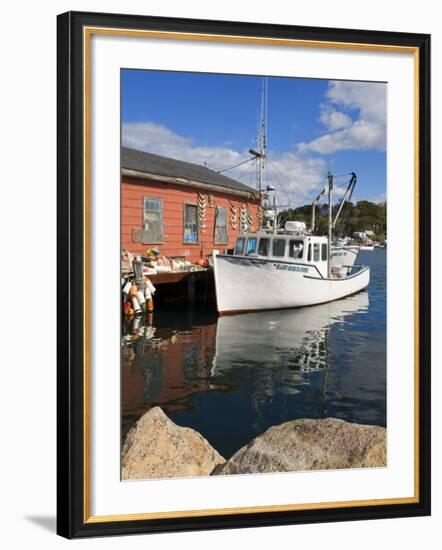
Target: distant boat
344, 255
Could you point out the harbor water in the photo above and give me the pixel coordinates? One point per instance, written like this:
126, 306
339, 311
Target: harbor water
230, 378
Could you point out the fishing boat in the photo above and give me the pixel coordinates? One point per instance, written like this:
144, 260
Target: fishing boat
282, 271
278, 268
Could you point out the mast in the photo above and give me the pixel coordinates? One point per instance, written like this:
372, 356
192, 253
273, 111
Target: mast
275, 215
330, 221
261, 139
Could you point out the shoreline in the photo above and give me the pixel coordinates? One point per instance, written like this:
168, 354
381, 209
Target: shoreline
155, 448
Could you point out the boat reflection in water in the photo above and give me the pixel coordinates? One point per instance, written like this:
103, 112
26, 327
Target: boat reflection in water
293, 339
232, 377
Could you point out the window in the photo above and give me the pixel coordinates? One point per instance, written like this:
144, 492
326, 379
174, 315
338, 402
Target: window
278, 248
190, 223
239, 246
296, 248
263, 248
251, 246
309, 255
324, 252
152, 220
316, 255
221, 225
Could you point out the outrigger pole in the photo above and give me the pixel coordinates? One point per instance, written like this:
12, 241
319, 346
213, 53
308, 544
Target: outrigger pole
314, 203
332, 223
349, 191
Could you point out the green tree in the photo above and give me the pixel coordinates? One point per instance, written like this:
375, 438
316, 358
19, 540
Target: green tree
362, 216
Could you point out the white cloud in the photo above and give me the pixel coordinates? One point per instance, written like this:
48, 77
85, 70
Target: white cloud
160, 140
299, 177
368, 131
361, 135
295, 176
332, 119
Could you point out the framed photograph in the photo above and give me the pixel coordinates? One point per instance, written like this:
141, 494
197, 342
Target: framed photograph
243, 274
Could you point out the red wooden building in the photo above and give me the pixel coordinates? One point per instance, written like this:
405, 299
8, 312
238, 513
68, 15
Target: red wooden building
182, 208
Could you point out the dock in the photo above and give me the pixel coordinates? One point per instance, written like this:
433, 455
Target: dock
188, 287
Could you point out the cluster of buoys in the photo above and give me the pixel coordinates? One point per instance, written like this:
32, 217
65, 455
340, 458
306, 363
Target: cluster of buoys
138, 297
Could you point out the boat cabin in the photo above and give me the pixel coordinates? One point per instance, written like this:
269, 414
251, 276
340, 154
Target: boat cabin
299, 249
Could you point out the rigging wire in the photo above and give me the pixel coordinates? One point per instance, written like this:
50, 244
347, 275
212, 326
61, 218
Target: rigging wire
280, 183
284, 190
251, 174
234, 166
244, 172
300, 191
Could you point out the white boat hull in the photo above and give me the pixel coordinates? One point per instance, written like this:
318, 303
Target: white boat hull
251, 284
342, 255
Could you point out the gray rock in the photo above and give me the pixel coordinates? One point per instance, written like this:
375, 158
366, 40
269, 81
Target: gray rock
310, 445
157, 448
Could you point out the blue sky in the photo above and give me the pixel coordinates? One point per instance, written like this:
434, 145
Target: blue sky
313, 126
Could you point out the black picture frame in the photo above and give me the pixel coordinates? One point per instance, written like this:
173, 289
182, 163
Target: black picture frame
72, 521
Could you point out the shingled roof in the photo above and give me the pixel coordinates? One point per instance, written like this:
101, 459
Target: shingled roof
141, 161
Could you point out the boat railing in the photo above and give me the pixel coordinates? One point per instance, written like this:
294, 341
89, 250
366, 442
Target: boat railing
355, 268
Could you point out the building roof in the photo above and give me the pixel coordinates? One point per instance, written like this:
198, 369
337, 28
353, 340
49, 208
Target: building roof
141, 161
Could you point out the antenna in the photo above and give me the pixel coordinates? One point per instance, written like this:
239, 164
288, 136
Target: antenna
262, 137
330, 221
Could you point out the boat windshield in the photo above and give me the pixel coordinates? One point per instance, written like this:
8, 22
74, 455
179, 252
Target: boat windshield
278, 247
316, 256
263, 247
239, 246
296, 248
251, 245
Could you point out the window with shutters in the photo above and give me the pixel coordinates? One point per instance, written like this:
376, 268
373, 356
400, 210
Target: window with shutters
221, 225
190, 223
152, 220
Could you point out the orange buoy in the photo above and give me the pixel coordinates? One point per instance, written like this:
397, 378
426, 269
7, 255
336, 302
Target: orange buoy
149, 305
133, 290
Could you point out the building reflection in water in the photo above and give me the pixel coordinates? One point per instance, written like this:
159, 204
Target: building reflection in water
172, 359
